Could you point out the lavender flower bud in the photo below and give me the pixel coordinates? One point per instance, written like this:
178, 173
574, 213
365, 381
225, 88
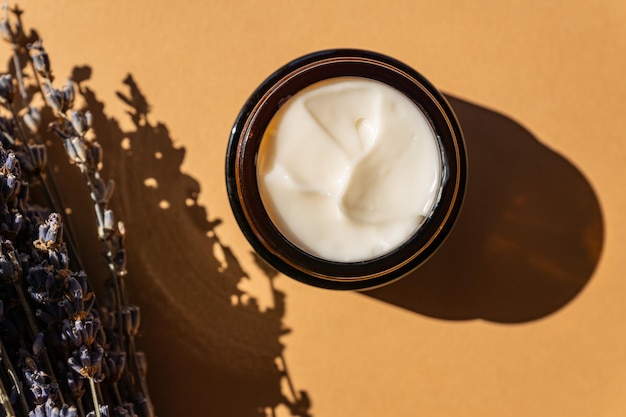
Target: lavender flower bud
142, 363
50, 234
55, 99
7, 89
81, 276
108, 192
38, 344
79, 122
30, 368
70, 334
11, 182
70, 151
113, 366
109, 221
39, 155
96, 154
6, 268
68, 95
40, 385
128, 410
11, 187
87, 362
88, 328
90, 301
104, 411
32, 119
120, 261
121, 229
75, 289
97, 356
39, 411
42, 231
67, 411
89, 119
85, 330
39, 296
54, 219
78, 146
132, 320
10, 162
54, 258
18, 221
78, 363
62, 257
75, 385
41, 61
51, 409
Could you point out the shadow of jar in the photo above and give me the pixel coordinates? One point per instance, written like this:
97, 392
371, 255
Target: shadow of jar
527, 240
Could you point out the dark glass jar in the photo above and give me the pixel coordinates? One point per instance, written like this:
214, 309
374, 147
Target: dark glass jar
243, 189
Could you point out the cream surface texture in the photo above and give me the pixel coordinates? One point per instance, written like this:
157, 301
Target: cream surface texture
348, 169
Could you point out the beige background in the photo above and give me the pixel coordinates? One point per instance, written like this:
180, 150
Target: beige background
521, 315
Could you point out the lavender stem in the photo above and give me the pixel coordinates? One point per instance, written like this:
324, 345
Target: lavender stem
5, 403
94, 397
13, 375
18, 72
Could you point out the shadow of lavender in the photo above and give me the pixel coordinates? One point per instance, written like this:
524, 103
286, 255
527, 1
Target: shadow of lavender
211, 349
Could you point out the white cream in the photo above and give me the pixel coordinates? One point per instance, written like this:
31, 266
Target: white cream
348, 169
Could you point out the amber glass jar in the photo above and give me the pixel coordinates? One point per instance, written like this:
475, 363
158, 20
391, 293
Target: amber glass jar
243, 189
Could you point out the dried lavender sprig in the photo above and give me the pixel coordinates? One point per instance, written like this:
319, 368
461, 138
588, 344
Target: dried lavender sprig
35, 154
7, 98
61, 101
88, 161
82, 328
11, 35
43, 172
87, 156
12, 272
11, 267
9, 251
87, 361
